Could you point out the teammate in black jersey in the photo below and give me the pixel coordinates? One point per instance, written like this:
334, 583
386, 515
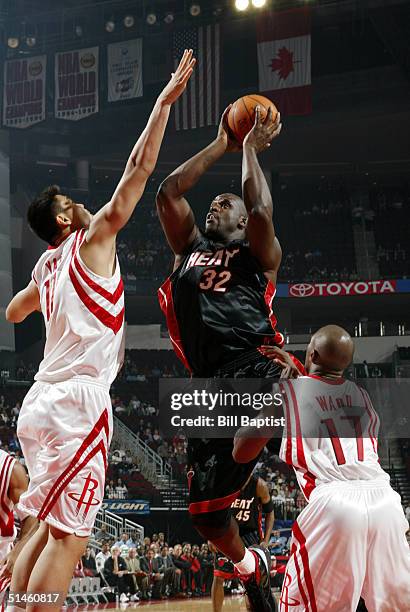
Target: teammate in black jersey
247, 509
219, 308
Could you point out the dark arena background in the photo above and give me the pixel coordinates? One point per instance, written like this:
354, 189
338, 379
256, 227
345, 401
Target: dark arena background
79, 79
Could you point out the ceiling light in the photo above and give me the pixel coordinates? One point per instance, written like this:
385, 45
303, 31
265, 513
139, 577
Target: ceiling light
78, 30
258, 3
110, 26
129, 21
151, 18
31, 41
241, 5
195, 10
169, 18
13, 42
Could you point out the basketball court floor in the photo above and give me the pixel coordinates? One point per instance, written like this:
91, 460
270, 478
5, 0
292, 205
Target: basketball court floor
232, 604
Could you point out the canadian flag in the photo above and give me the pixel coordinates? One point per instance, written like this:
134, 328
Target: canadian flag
284, 52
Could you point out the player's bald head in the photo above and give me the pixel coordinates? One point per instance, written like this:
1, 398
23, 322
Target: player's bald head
330, 350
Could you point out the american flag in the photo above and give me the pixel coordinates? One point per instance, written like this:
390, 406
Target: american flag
199, 104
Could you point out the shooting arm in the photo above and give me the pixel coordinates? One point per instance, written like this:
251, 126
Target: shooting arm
24, 303
174, 211
258, 201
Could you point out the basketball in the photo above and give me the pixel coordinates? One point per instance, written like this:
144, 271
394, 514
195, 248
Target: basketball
241, 117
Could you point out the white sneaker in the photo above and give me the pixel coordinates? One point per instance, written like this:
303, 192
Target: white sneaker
135, 598
123, 598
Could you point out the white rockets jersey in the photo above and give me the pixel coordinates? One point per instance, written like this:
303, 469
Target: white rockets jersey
330, 433
83, 315
7, 528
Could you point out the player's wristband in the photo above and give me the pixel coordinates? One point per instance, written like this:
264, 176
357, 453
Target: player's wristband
268, 507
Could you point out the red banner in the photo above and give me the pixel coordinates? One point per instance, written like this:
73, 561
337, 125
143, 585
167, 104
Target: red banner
371, 287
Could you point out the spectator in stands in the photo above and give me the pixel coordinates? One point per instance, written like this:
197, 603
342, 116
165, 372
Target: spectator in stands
277, 542
89, 564
206, 559
101, 557
110, 490
154, 577
132, 540
122, 541
139, 578
161, 539
102, 534
121, 490
194, 574
164, 565
115, 571
184, 568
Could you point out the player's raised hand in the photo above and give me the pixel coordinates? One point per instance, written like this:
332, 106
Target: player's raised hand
263, 131
282, 359
225, 133
179, 78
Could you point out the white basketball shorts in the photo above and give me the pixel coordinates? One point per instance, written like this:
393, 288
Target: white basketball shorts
349, 541
65, 431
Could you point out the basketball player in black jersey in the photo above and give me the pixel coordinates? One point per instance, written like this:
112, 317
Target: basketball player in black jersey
218, 303
247, 509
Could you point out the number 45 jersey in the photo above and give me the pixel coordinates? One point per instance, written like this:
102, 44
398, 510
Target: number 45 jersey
330, 433
219, 305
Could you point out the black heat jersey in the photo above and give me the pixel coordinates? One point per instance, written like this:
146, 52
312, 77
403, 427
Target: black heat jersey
247, 509
218, 305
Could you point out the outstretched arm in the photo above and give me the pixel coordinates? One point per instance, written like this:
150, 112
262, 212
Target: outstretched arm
24, 303
175, 213
141, 163
258, 200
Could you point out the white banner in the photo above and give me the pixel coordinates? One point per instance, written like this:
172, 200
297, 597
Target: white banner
24, 93
76, 84
124, 70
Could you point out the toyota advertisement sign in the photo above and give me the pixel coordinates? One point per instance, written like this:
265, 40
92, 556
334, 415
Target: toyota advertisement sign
337, 289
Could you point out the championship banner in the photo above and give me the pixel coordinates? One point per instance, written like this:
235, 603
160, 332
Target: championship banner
126, 506
76, 84
24, 93
124, 64
371, 287
284, 59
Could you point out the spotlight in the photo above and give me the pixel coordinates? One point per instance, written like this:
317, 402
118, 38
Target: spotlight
258, 3
129, 21
169, 18
241, 5
151, 18
78, 30
195, 10
13, 42
31, 41
110, 26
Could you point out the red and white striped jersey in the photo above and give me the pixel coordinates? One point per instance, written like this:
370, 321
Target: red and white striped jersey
7, 527
330, 433
83, 314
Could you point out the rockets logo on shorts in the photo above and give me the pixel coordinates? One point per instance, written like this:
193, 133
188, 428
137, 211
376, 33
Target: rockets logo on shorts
288, 602
82, 498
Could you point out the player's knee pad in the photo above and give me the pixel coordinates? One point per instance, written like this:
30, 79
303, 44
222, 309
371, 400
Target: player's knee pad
212, 525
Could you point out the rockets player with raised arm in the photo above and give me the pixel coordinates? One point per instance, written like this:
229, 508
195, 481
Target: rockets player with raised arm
219, 308
13, 483
350, 540
65, 423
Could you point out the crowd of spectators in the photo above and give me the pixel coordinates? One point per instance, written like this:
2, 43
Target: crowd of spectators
148, 569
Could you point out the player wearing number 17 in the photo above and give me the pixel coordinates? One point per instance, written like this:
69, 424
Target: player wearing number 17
65, 424
350, 540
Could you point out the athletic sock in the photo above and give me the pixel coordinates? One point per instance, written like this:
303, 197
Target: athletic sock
248, 564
